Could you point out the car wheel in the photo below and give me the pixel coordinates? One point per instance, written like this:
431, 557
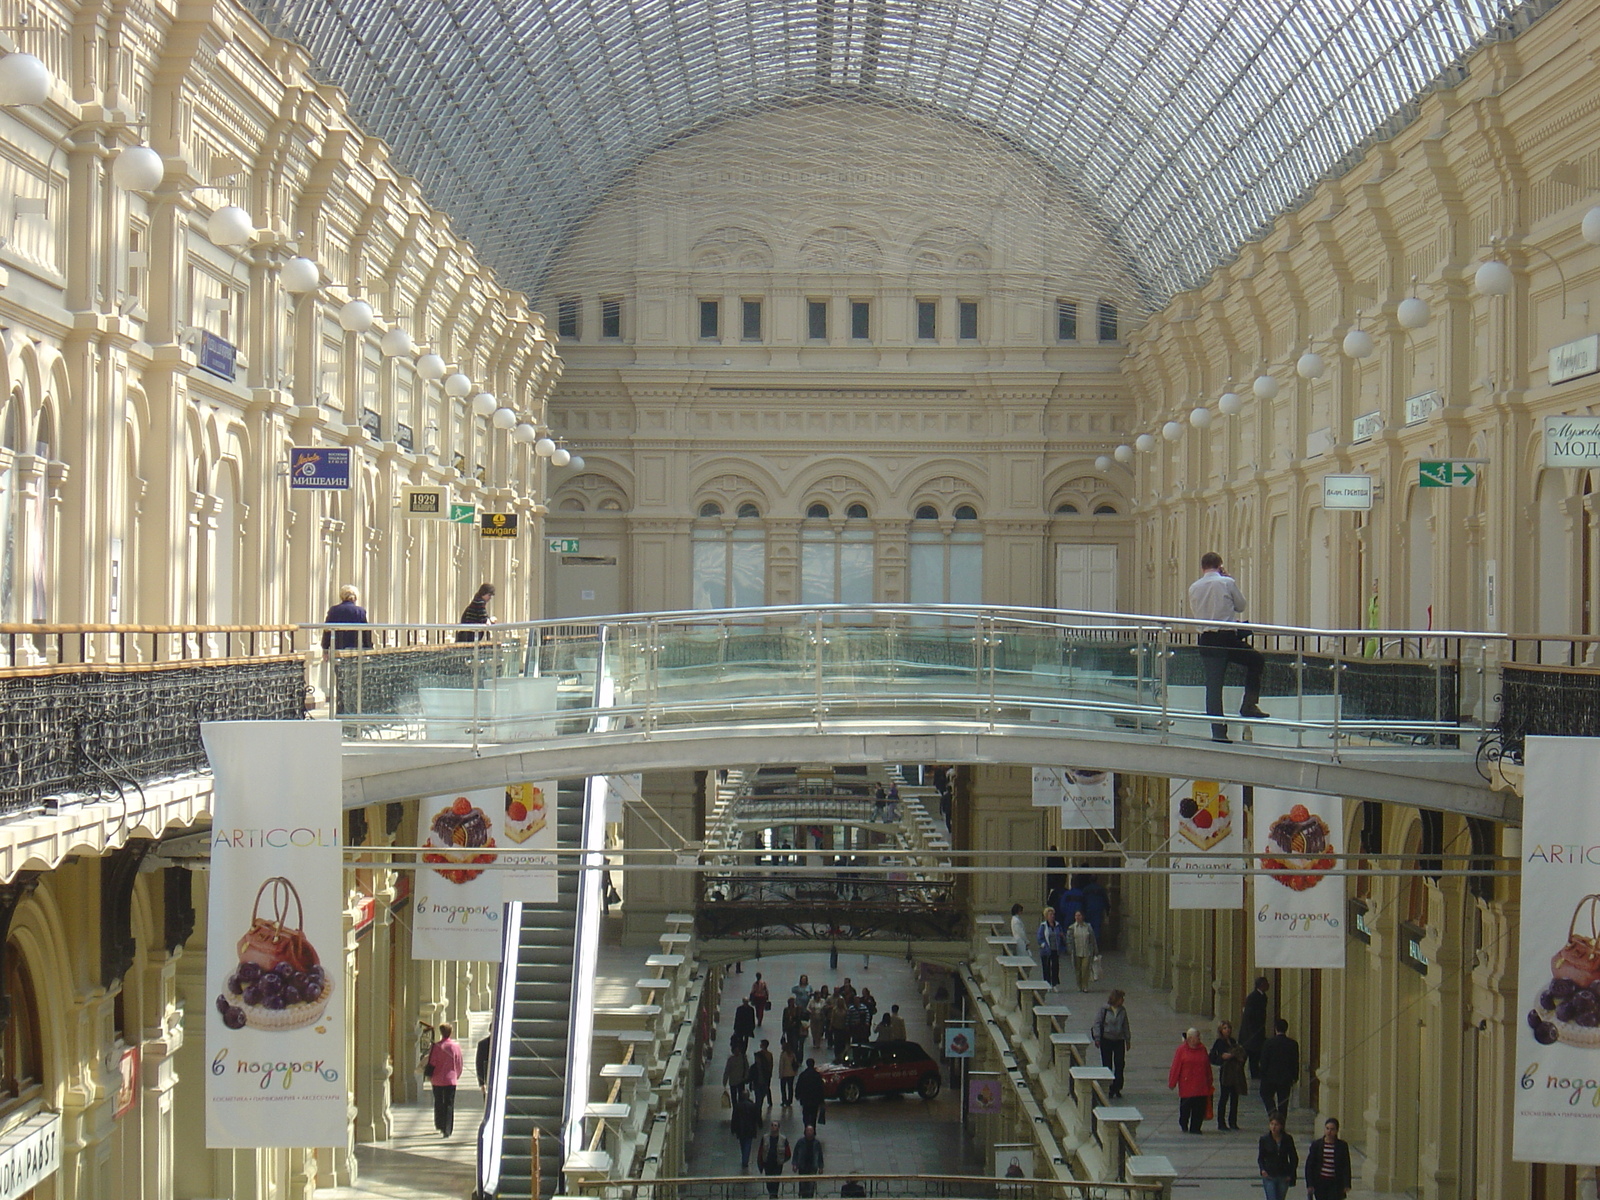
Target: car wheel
850, 1091
929, 1087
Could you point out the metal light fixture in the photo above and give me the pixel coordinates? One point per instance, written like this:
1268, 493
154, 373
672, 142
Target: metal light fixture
577, 462
1123, 453
561, 457
1590, 228
525, 433
431, 367
396, 342
1310, 365
1200, 418
24, 79
1103, 463
299, 276
544, 447
1144, 443
458, 385
1229, 403
484, 404
1493, 278
138, 169
230, 225
1172, 431
504, 418
1413, 312
1358, 343
1265, 387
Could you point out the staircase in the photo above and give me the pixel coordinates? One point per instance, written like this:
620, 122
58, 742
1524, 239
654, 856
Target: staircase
541, 1008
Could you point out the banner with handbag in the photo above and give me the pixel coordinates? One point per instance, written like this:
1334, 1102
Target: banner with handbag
275, 1028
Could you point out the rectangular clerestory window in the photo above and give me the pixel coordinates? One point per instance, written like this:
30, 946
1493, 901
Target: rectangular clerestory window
927, 320
967, 320
1108, 321
710, 319
817, 320
1066, 320
751, 331
567, 317
610, 317
861, 320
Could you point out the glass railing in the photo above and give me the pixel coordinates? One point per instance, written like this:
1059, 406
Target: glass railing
979, 667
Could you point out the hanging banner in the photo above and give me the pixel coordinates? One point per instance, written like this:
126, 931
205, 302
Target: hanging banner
1090, 800
1049, 787
1557, 1104
529, 824
1205, 817
1299, 907
459, 900
275, 1036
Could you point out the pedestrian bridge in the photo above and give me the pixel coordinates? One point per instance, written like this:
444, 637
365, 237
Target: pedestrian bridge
1384, 715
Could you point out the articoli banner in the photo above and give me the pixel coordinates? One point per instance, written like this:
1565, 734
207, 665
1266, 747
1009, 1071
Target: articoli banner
1556, 1117
1206, 821
460, 904
275, 1037
1299, 907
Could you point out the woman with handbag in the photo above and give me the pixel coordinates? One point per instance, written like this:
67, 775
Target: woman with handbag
443, 1069
1228, 1056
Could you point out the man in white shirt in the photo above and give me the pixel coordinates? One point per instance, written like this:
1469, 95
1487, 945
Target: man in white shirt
1215, 597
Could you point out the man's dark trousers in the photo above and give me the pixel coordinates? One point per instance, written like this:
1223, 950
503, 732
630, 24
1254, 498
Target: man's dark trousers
1218, 648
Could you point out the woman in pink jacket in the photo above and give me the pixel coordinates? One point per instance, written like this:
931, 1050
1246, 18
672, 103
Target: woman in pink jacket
443, 1070
1191, 1075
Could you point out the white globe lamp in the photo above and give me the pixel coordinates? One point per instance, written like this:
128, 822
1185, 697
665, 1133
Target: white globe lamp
1200, 418
1493, 278
525, 433
230, 225
1103, 463
544, 447
1144, 443
431, 367
1591, 227
1229, 403
1358, 343
24, 79
484, 403
458, 385
1172, 431
1310, 365
300, 276
356, 316
504, 418
1123, 453
561, 457
577, 462
138, 169
395, 342
1413, 312
1265, 387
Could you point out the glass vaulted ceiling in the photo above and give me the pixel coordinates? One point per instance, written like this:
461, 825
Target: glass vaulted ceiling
1187, 124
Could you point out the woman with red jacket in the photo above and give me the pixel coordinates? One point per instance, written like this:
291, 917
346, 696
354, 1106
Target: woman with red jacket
1191, 1075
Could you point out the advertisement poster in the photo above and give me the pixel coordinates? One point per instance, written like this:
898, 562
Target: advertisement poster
529, 826
985, 1094
1556, 1115
1299, 907
1090, 801
275, 1037
459, 900
1206, 823
958, 1041
1049, 787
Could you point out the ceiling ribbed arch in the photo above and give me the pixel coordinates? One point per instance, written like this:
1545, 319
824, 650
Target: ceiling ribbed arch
1186, 125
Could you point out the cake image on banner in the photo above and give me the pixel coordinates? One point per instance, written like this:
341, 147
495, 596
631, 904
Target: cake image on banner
1090, 799
1555, 1116
460, 906
528, 872
275, 1033
1204, 817
1299, 907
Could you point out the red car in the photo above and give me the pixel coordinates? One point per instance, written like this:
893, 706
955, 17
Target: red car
880, 1068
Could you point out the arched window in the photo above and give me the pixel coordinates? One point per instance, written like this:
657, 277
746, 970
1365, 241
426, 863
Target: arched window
946, 568
814, 511
1066, 508
729, 566
21, 1046
965, 512
571, 504
836, 565
1105, 510
611, 504
926, 512
856, 512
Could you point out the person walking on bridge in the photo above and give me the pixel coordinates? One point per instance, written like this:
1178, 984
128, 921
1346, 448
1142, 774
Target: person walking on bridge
1216, 599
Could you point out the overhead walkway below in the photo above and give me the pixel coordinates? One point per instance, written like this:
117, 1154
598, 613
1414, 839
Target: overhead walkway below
1384, 716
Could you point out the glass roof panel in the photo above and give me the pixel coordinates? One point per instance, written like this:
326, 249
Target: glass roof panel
1184, 126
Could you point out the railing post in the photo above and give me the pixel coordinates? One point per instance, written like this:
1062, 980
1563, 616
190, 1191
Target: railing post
476, 654
1300, 691
653, 670
1163, 647
990, 642
817, 635
1338, 671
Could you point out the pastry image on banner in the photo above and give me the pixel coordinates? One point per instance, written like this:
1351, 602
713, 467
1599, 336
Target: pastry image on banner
1299, 906
274, 1024
460, 906
1203, 823
279, 983
1089, 800
1555, 1118
529, 816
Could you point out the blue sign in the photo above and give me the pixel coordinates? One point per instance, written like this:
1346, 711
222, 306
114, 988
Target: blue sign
216, 355
319, 467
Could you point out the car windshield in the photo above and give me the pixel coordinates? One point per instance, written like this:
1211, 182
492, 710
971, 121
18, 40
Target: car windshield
860, 1056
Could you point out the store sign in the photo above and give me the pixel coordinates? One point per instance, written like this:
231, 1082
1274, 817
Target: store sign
1319, 442
1555, 1118
1299, 907
372, 423
1347, 492
1366, 427
460, 909
1573, 360
275, 957
432, 503
1206, 818
127, 1081
29, 1154
1419, 407
497, 525
217, 357
1572, 441
319, 468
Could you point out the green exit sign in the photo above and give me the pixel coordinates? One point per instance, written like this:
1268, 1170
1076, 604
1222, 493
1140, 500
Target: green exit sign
1450, 473
464, 514
563, 545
